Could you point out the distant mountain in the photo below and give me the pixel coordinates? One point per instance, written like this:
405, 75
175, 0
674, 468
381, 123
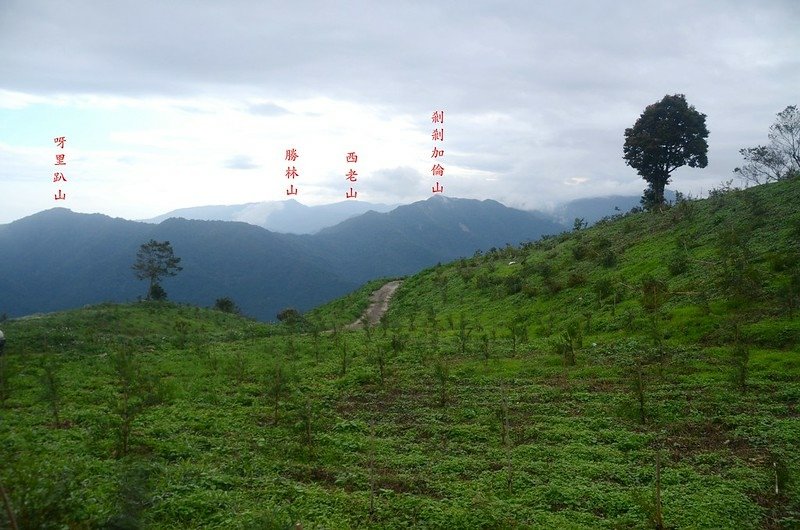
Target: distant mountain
592, 209
58, 259
420, 234
289, 217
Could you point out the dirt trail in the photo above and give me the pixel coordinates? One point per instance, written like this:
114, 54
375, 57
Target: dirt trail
378, 305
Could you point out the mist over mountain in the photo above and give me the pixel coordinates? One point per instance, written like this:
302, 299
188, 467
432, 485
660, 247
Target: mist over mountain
290, 216
59, 259
592, 209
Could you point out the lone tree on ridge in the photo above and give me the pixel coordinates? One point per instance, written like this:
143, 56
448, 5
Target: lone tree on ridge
156, 260
669, 134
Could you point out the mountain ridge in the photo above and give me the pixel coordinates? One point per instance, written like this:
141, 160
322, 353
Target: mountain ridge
63, 259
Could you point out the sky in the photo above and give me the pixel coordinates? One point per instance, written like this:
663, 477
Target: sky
172, 104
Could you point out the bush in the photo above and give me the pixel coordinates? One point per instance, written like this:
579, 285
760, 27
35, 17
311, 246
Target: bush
580, 251
227, 305
553, 286
576, 279
679, 260
608, 258
530, 290
513, 284
604, 288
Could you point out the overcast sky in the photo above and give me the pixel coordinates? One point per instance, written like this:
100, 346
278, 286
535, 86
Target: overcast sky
169, 104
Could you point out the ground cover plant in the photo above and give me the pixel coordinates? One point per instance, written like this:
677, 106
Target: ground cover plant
641, 373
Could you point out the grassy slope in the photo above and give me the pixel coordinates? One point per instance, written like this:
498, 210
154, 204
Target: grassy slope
576, 454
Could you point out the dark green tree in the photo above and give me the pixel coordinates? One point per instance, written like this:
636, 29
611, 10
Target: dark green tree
669, 134
227, 305
154, 261
290, 316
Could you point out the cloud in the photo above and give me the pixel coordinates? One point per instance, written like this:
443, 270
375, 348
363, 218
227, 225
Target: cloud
267, 109
240, 162
536, 93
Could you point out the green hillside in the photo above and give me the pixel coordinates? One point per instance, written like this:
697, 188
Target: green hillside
569, 383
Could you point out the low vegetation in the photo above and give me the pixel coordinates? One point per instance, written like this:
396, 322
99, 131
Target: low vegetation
641, 373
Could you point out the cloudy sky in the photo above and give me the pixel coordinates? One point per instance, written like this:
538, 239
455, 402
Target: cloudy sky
169, 104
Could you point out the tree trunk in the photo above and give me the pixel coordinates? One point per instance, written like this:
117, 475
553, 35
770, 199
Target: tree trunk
658, 191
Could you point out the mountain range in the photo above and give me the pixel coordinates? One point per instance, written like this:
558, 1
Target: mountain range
59, 259
290, 217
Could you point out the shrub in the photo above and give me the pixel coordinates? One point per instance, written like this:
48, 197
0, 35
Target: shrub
513, 284
608, 258
576, 279
227, 305
679, 260
603, 287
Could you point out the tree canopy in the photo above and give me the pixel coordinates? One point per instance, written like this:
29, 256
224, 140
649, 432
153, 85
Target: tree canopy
155, 260
781, 158
669, 134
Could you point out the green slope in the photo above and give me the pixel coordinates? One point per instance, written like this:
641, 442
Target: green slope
464, 409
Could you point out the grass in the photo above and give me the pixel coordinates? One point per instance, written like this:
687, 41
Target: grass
358, 446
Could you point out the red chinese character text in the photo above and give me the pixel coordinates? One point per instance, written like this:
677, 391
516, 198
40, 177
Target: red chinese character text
351, 194
437, 152
437, 170
351, 176
352, 157
60, 197
60, 161
60, 141
291, 154
59, 176
292, 190
438, 188
291, 172
438, 116
438, 135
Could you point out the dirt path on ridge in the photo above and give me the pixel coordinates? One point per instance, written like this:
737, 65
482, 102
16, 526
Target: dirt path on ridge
378, 305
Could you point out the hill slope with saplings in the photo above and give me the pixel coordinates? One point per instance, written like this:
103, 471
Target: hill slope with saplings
642, 373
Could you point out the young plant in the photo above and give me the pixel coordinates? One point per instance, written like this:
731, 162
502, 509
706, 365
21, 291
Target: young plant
571, 341
486, 347
51, 389
5, 381
371, 467
181, 328
239, 366
638, 385
741, 360
380, 361
505, 436
464, 331
277, 386
136, 392
133, 496
441, 372
343, 350
306, 414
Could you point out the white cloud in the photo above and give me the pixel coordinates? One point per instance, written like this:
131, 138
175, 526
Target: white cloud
537, 96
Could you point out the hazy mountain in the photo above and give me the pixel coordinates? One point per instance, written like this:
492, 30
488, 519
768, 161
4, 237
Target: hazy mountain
290, 217
420, 234
592, 209
58, 259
